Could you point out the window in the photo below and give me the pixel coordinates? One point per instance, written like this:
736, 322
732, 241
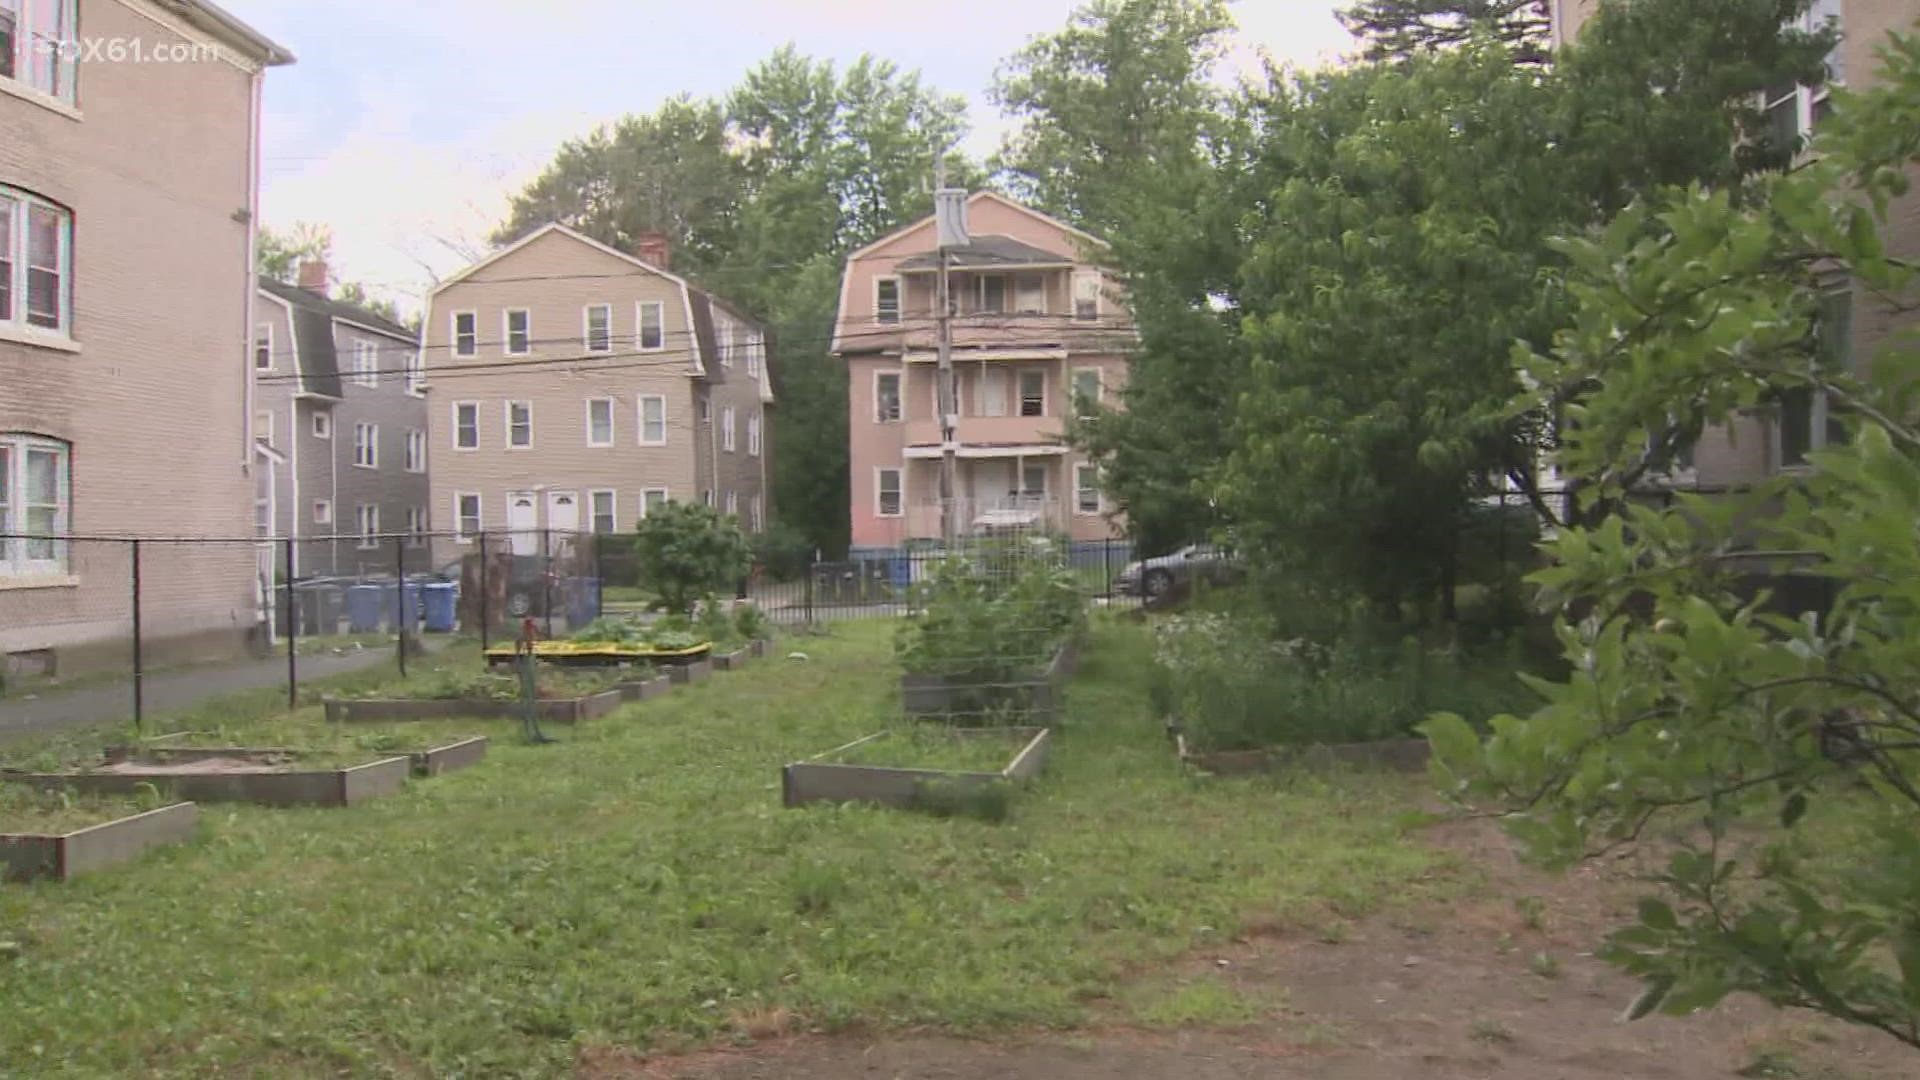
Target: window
366, 446
466, 333
263, 426
519, 425
262, 339
600, 421
886, 397
37, 45
1030, 294
416, 526
651, 319
1807, 422
366, 525
1086, 297
323, 425
1086, 392
602, 503
887, 499
1033, 480
1033, 393
1793, 112
706, 408
36, 249
886, 300
753, 435
651, 499
323, 511
466, 425
598, 335
416, 451
653, 420
993, 293
706, 496
724, 334
466, 514
36, 499
733, 503
726, 429
756, 349
1086, 488
519, 336
993, 392
366, 364
416, 364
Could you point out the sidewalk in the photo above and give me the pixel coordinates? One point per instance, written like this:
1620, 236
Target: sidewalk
168, 691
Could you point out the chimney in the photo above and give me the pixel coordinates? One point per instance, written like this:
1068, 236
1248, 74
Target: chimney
654, 249
313, 276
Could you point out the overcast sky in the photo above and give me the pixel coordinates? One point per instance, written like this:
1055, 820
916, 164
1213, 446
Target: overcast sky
406, 124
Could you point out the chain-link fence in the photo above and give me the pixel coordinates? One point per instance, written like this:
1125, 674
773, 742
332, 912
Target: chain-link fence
96, 629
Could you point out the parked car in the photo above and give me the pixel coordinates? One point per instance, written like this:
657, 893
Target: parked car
1159, 576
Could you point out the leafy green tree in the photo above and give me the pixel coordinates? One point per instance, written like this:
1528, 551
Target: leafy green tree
278, 256
689, 552
1779, 742
1399, 29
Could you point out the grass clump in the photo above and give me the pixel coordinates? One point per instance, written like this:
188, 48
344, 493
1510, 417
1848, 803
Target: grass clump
27, 810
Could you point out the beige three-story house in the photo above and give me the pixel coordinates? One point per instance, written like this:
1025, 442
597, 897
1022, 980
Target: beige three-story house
127, 209
574, 386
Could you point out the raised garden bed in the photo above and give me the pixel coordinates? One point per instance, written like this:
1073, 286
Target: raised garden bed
1404, 754
731, 661
692, 672
429, 761
553, 710
645, 689
848, 774
268, 777
61, 853
1039, 693
597, 653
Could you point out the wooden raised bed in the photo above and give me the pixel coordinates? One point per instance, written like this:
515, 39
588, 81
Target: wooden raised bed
1408, 755
552, 710
760, 647
433, 761
238, 776
693, 672
734, 660
820, 781
645, 689
1038, 694
60, 856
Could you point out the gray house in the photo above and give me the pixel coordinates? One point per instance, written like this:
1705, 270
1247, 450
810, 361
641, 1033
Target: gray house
340, 410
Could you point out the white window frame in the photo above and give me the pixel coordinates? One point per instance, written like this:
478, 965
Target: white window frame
899, 396
29, 54
322, 424
756, 522
1099, 388
453, 337
455, 434
666, 496
613, 511
460, 532
640, 325
263, 346
753, 435
366, 526
879, 508
724, 338
416, 365
640, 410
16, 320
733, 503
756, 348
371, 444
416, 461
416, 526
612, 430
1093, 278
366, 364
323, 512
1080, 469
507, 416
899, 300
1020, 394
14, 559
506, 332
726, 430
586, 328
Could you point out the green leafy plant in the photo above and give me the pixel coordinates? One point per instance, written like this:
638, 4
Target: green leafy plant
750, 623
990, 617
689, 552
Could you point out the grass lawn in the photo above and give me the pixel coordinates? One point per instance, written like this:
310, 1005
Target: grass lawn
637, 884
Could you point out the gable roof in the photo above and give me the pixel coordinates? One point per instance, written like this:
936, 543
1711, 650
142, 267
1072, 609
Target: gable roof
977, 197
572, 234
317, 357
338, 309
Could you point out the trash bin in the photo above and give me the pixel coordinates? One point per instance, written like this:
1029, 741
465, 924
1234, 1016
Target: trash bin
900, 567
364, 608
408, 600
583, 601
439, 599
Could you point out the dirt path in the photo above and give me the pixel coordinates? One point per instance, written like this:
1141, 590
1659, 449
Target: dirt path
1502, 986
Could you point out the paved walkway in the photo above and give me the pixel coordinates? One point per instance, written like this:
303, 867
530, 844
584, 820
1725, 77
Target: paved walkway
168, 691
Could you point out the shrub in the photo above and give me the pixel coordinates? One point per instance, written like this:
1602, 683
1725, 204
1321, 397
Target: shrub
688, 552
782, 552
750, 623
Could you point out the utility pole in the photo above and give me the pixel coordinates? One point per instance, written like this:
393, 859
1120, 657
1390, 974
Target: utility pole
949, 226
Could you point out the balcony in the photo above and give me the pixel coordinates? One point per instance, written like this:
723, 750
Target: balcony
990, 431
1007, 334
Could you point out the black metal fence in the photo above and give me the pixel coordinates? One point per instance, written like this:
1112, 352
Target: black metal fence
881, 585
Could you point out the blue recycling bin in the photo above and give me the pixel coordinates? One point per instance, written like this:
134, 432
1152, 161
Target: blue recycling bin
363, 608
583, 601
900, 569
439, 599
409, 604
